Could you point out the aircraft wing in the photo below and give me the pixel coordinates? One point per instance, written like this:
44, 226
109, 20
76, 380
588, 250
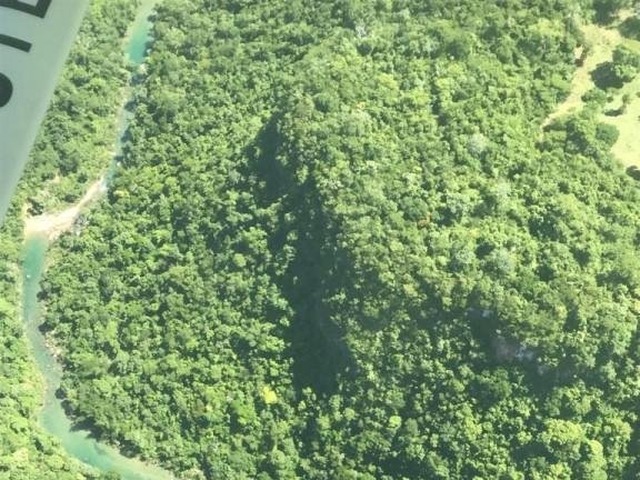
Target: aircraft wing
35, 39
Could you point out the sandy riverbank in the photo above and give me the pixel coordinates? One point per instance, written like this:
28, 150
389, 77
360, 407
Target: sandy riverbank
52, 225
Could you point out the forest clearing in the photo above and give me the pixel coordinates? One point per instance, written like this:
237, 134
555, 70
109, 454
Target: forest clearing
622, 109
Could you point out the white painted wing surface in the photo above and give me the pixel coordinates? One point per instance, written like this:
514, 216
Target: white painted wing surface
35, 39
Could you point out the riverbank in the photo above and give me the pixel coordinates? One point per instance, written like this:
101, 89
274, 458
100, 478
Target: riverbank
52, 225
39, 232
78, 443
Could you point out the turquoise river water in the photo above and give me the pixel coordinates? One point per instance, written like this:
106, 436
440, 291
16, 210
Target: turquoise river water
79, 443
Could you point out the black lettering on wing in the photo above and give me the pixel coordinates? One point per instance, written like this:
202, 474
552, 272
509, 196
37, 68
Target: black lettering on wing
39, 9
15, 43
6, 90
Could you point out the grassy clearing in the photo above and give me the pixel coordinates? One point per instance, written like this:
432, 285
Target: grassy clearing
602, 41
627, 148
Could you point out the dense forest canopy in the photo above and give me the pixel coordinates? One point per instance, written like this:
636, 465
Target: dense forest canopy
341, 246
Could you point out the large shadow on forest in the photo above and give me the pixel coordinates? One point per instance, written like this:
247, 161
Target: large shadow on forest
316, 344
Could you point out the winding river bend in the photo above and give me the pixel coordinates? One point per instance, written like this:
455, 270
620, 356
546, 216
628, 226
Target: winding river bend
79, 443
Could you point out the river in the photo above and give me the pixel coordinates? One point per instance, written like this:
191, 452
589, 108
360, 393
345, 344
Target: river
79, 443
